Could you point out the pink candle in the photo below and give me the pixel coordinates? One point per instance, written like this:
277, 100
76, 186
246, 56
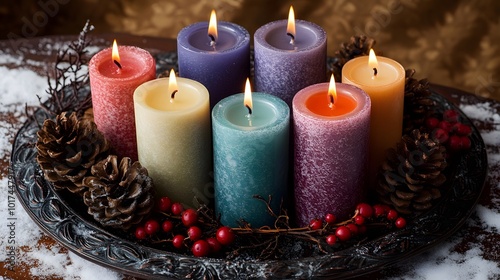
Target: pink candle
113, 81
331, 150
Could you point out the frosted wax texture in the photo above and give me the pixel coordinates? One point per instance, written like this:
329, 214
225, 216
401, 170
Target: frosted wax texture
250, 159
222, 69
112, 94
283, 70
386, 92
174, 139
331, 154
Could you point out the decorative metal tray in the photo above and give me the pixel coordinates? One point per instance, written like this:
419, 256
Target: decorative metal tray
62, 219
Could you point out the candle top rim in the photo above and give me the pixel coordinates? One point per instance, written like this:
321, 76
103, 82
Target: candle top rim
360, 96
261, 33
142, 91
242, 36
280, 108
139, 54
362, 61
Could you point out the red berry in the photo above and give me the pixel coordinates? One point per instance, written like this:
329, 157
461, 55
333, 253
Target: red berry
167, 226
379, 210
463, 129
215, 246
445, 125
359, 220
225, 235
151, 227
392, 215
194, 233
465, 142
177, 208
331, 239
431, 123
316, 224
164, 204
189, 217
440, 135
343, 233
365, 210
330, 218
400, 222
353, 228
200, 248
140, 233
450, 116
178, 241
455, 143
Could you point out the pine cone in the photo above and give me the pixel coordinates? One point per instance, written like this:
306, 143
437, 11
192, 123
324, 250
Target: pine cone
412, 174
417, 103
119, 195
358, 46
67, 148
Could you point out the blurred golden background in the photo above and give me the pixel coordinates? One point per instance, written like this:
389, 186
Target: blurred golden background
450, 42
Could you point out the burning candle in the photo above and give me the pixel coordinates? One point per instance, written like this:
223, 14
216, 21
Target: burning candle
384, 81
289, 55
173, 138
114, 75
216, 54
250, 156
331, 125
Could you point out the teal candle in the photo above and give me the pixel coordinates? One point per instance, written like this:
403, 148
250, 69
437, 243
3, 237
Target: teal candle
250, 157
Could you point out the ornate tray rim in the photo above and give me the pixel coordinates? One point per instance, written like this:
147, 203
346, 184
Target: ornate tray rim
86, 239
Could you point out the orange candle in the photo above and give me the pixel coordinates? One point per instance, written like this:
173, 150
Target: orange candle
331, 132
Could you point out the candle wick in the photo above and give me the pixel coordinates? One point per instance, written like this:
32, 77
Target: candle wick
375, 71
292, 38
249, 110
117, 63
172, 96
212, 40
332, 101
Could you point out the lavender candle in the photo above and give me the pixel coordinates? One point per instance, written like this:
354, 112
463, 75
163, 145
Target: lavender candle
219, 58
288, 60
331, 150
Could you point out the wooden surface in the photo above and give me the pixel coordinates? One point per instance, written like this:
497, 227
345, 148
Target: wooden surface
471, 235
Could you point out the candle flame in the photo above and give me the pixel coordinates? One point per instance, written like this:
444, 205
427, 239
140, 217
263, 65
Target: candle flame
212, 27
172, 85
332, 92
115, 56
372, 62
247, 99
290, 28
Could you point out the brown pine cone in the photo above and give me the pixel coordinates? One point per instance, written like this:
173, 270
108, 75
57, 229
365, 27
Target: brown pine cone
67, 148
417, 102
118, 195
359, 45
412, 174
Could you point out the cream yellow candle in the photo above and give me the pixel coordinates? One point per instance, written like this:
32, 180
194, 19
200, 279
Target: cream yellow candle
173, 138
384, 81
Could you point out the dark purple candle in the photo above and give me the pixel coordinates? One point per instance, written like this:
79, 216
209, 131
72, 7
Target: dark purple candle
285, 64
331, 151
221, 63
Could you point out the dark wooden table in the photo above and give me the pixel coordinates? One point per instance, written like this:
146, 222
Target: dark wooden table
477, 233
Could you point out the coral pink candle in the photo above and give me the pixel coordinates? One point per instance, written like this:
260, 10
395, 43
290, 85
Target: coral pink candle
331, 133
114, 76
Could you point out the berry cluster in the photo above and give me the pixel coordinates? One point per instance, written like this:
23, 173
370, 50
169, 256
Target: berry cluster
199, 232
184, 229
449, 131
345, 230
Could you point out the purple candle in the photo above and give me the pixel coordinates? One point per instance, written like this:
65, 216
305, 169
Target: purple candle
287, 61
331, 150
219, 58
